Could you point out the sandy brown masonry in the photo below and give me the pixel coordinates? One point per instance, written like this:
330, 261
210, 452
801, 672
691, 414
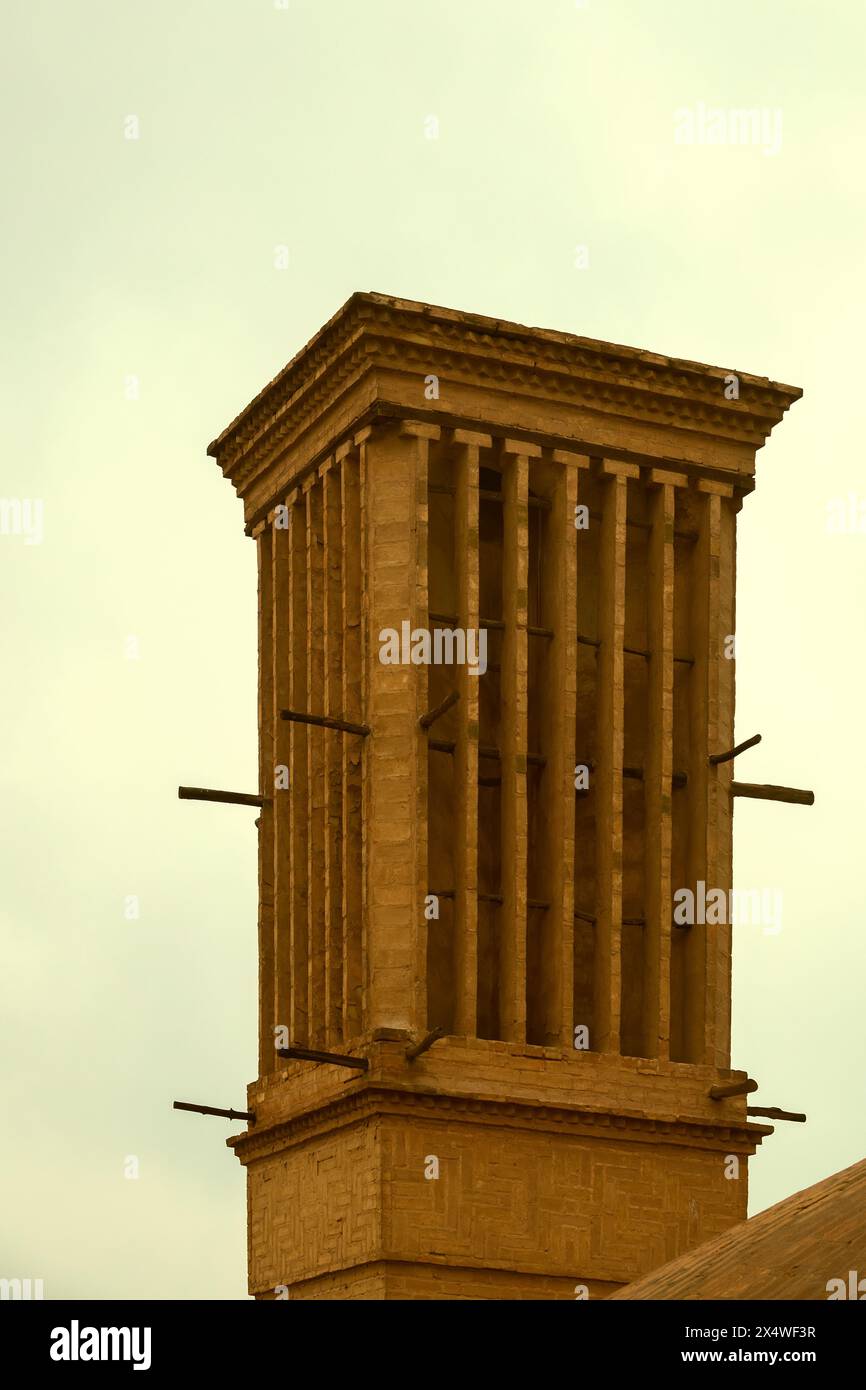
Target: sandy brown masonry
374, 501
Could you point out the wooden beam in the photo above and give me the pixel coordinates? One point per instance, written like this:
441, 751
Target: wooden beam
755, 791
231, 798
424, 1044
443, 707
716, 758
325, 721
727, 1089
772, 1112
334, 1059
248, 1115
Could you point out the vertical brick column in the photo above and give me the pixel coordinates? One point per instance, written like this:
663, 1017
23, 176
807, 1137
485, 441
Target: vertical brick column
316, 743
467, 447
264, 542
706, 786
562, 567
513, 749
298, 789
658, 770
720, 735
607, 983
329, 472
395, 507
281, 543
352, 749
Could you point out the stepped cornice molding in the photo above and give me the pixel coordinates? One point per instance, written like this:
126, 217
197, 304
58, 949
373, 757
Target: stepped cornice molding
374, 334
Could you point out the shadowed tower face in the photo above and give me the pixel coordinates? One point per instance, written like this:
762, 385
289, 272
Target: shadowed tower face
497, 569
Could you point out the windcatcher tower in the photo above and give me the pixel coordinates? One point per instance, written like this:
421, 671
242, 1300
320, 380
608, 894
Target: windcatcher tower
414, 465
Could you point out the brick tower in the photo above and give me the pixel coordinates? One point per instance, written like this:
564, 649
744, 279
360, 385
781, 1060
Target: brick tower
491, 850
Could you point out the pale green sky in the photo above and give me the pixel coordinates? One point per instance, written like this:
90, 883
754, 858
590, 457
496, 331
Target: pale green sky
305, 127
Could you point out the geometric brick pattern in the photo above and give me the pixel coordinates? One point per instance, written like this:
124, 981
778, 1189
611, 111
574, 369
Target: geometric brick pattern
810, 1246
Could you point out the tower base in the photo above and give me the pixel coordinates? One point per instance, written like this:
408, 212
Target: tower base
446, 1178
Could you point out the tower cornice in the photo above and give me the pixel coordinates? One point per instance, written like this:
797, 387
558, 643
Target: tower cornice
378, 348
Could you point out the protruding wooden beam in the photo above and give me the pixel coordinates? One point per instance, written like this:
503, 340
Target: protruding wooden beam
325, 722
334, 1059
248, 1115
716, 758
438, 710
232, 798
757, 792
726, 1089
424, 1044
772, 1112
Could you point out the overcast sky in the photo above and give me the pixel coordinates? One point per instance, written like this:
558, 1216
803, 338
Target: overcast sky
146, 267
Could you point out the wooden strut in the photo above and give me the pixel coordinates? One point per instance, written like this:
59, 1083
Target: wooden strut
423, 1044
756, 792
438, 710
626, 921
205, 794
492, 624
732, 1088
248, 1115
324, 721
772, 1112
484, 751
632, 651
716, 758
336, 1059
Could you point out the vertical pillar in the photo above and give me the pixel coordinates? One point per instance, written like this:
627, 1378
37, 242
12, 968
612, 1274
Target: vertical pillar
316, 737
611, 728
329, 472
513, 749
298, 787
352, 748
266, 819
467, 447
395, 505
658, 770
706, 786
560, 770
278, 785
709, 978
724, 772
